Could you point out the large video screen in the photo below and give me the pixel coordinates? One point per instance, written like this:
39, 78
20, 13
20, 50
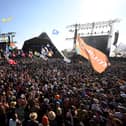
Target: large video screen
99, 42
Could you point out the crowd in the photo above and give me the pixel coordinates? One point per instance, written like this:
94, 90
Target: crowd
35, 92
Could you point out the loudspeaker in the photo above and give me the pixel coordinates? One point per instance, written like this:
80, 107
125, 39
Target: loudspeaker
116, 38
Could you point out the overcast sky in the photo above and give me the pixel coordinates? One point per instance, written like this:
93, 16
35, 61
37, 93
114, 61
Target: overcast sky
29, 18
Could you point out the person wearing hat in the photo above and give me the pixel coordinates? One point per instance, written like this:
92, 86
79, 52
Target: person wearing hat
51, 117
59, 116
11, 111
57, 99
2, 116
14, 120
33, 119
13, 104
117, 121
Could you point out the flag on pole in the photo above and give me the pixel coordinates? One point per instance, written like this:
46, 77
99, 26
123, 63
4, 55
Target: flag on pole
55, 32
98, 59
5, 20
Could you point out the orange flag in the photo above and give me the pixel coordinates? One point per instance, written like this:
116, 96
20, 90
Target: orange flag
98, 59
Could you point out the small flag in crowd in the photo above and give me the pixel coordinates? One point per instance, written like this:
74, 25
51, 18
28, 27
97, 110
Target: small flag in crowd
23, 54
98, 60
12, 62
55, 32
30, 54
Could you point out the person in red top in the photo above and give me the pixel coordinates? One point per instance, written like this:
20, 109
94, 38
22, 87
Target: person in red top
45, 120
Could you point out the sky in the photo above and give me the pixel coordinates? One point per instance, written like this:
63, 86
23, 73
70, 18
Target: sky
29, 18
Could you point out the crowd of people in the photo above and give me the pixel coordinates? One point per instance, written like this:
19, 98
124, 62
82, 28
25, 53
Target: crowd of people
35, 92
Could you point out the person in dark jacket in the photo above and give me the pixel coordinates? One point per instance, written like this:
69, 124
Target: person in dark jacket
33, 119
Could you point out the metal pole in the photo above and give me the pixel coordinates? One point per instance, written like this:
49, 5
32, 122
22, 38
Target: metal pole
75, 36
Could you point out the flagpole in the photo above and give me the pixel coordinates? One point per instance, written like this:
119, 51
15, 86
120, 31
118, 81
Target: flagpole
75, 36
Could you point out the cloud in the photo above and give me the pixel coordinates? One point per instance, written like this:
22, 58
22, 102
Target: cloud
99, 10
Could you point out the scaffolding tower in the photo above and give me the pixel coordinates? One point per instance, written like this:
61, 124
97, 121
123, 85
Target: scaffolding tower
100, 28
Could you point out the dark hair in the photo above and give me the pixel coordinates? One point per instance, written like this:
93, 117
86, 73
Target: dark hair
13, 116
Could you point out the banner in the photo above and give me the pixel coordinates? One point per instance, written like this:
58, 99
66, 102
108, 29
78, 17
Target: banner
98, 59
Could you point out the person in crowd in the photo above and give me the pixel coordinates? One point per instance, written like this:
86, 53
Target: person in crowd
54, 93
33, 119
